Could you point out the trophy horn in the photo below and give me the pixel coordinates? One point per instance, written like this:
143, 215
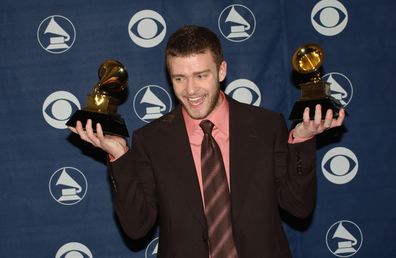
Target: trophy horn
308, 59
113, 77
102, 104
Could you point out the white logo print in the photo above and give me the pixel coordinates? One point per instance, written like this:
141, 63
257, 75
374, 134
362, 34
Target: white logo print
68, 185
152, 249
56, 34
147, 28
340, 165
340, 86
344, 238
151, 102
58, 107
244, 91
329, 17
237, 23
73, 250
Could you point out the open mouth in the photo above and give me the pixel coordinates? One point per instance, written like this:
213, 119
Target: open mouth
196, 101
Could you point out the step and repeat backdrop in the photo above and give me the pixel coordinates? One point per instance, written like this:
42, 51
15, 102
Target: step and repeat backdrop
54, 190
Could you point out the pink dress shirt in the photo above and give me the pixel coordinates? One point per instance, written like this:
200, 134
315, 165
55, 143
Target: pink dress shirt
221, 134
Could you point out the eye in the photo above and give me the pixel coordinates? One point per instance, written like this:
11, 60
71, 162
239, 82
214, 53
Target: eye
178, 79
202, 76
58, 108
339, 165
329, 17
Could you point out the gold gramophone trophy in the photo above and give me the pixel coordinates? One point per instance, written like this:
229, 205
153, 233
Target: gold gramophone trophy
103, 102
307, 60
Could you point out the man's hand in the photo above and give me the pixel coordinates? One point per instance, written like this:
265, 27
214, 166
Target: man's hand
114, 145
309, 128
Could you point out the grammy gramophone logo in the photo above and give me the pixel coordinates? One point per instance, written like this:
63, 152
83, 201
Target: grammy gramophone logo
152, 249
56, 34
151, 102
237, 23
68, 186
344, 238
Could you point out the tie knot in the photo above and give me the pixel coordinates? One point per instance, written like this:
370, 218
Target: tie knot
206, 126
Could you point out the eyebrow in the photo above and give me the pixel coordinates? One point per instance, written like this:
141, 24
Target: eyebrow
195, 73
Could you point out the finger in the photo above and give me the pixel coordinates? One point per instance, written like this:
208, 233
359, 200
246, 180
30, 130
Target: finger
328, 119
73, 129
99, 131
88, 126
306, 118
340, 119
90, 133
318, 115
81, 132
79, 127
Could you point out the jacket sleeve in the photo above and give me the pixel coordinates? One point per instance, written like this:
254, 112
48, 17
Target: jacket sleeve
134, 191
295, 173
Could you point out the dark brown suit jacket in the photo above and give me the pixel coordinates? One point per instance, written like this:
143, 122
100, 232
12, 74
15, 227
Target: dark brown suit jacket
156, 179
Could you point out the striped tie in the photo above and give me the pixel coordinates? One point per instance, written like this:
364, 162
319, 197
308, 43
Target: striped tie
217, 197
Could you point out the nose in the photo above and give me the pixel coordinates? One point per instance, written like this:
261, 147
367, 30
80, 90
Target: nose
190, 87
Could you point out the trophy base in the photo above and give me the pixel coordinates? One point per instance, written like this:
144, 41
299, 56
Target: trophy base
326, 103
111, 124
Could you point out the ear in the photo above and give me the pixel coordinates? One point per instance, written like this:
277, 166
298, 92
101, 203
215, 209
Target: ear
222, 71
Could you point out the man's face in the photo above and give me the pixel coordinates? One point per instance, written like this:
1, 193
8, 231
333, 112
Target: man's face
196, 82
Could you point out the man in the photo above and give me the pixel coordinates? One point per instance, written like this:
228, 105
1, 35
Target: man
162, 177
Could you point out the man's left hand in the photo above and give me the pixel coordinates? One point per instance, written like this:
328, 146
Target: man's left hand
309, 128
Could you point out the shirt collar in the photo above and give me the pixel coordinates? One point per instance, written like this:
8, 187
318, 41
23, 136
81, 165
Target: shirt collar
219, 118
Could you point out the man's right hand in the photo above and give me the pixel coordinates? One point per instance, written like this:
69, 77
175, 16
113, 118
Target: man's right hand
115, 146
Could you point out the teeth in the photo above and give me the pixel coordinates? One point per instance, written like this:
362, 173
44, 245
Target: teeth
195, 100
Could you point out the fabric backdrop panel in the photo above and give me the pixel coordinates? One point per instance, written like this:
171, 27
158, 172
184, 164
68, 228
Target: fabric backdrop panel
55, 193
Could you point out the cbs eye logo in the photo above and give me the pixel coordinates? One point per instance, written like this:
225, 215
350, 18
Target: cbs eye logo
73, 249
58, 107
340, 165
244, 91
329, 17
147, 28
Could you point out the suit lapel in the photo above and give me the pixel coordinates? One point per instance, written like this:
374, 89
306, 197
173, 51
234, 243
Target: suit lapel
180, 156
244, 150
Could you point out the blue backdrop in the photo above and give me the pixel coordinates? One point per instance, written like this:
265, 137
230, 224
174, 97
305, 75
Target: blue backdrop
55, 194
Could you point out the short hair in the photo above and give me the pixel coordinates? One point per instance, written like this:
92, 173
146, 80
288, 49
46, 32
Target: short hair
192, 39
